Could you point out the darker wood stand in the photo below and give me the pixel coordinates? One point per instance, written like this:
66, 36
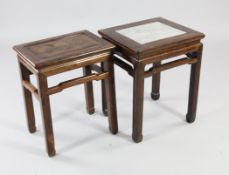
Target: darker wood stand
52, 56
151, 42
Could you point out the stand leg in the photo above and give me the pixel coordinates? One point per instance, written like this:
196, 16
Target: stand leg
111, 96
46, 114
104, 102
25, 73
89, 92
155, 93
193, 89
138, 93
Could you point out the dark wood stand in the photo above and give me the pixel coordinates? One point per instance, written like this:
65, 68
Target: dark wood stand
52, 56
137, 56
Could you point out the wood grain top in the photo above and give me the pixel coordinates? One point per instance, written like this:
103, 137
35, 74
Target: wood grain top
150, 37
62, 48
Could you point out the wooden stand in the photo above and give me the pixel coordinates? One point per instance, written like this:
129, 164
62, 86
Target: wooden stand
52, 56
137, 54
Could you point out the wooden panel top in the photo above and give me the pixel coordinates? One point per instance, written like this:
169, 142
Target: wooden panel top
149, 37
62, 49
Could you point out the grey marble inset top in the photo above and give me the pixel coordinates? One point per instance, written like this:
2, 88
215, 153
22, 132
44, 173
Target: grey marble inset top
150, 32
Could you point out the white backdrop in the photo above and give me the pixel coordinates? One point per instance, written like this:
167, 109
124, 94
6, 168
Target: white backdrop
83, 143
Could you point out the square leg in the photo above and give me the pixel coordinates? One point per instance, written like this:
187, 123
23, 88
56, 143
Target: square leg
110, 95
138, 96
89, 91
104, 102
194, 88
156, 78
25, 76
46, 114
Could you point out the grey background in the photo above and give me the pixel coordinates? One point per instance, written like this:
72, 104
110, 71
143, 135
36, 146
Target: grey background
83, 143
